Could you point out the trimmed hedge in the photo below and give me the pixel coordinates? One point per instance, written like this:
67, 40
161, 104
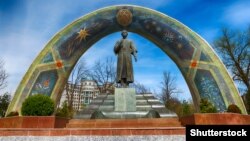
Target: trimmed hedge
38, 105
207, 107
64, 111
232, 108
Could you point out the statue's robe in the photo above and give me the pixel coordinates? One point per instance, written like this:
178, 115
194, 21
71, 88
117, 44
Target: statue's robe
124, 49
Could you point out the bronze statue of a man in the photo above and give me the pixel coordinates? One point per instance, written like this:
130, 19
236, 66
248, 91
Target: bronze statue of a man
124, 48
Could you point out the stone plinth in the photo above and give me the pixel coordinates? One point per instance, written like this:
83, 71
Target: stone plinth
216, 119
125, 99
124, 123
103, 107
33, 122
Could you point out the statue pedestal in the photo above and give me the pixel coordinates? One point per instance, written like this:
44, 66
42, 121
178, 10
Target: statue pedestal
125, 104
125, 99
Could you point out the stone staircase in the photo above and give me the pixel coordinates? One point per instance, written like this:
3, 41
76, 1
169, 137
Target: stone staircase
102, 107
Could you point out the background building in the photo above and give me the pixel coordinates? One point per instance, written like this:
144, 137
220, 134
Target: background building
83, 93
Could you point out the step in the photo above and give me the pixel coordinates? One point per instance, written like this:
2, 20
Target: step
101, 96
110, 97
106, 108
155, 103
125, 115
124, 123
153, 100
165, 113
158, 106
97, 101
149, 97
83, 116
108, 102
139, 96
93, 106
141, 102
143, 107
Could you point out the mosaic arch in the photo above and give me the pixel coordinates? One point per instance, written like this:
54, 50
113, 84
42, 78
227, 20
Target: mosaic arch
203, 71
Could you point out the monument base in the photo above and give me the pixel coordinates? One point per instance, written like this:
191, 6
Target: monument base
125, 100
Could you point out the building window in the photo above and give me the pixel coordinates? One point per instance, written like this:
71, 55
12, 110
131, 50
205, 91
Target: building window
86, 100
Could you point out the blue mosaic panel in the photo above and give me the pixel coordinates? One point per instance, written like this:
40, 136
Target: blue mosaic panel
47, 58
204, 57
68, 48
45, 83
167, 36
209, 89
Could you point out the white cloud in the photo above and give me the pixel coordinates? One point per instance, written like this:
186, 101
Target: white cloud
238, 14
18, 52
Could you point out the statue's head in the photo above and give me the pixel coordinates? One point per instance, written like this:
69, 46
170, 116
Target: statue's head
124, 34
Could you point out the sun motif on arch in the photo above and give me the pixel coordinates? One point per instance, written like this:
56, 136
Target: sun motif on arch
82, 34
124, 17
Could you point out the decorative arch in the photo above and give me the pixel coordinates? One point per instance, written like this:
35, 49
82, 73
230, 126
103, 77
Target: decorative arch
203, 71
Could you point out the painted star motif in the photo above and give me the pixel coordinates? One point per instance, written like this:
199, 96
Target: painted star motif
179, 46
158, 29
180, 37
168, 36
59, 64
82, 34
193, 64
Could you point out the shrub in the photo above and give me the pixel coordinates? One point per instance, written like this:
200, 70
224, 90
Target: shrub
187, 108
12, 114
4, 103
38, 105
248, 101
232, 108
207, 107
174, 104
64, 111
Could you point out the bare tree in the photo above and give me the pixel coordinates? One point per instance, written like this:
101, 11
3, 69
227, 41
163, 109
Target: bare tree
140, 88
169, 88
79, 72
104, 74
3, 75
169, 92
234, 48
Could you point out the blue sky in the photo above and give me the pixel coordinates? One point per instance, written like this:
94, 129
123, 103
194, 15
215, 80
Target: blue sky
26, 26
